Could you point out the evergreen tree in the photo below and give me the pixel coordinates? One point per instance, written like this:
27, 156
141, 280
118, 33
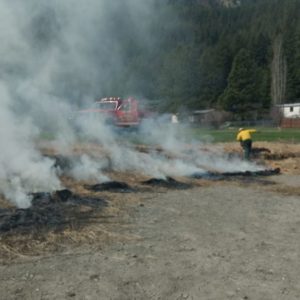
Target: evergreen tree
192, 57
241, 95
179, 82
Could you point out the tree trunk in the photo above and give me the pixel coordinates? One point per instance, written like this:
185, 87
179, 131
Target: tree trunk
279, 70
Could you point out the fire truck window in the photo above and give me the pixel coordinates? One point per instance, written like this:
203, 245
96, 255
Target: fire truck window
125, 107
106, 105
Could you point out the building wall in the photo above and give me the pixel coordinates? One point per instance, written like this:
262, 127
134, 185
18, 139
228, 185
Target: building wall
292, 111
290, 123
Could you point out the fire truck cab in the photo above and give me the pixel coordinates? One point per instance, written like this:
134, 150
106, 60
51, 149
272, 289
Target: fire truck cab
118, 111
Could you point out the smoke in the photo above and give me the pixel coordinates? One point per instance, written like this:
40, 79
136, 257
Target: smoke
54, 56
87, 168
22, 168
57, 56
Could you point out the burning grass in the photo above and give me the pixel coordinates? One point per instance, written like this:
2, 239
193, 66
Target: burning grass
83, 217
51, 211
224, 175
62, 220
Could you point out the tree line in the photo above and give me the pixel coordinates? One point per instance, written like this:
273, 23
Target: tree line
243, 59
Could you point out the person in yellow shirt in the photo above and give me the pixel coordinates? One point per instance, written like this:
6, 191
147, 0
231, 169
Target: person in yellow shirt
244, 137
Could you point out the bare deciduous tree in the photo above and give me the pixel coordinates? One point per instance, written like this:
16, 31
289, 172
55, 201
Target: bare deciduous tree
279, 70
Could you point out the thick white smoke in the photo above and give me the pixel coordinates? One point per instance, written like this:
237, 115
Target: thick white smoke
22, 168
54, 57
87, 168
52, 53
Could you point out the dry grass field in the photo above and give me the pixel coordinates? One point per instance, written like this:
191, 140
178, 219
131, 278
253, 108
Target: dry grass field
234, 238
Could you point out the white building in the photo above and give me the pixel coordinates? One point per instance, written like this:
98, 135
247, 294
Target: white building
291, 110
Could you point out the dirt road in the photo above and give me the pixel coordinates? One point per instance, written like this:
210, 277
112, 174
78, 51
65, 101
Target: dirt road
220, 241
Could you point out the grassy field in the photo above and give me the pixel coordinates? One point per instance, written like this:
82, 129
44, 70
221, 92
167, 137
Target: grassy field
208, 135
263, 134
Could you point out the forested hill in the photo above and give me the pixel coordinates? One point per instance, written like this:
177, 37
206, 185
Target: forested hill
242, 56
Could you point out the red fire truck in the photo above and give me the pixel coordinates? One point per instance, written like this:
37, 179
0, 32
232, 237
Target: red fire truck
117, 111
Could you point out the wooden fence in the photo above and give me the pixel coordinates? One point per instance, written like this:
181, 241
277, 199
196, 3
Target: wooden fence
290, 123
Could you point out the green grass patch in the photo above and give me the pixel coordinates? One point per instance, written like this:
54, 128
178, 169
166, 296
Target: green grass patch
206, 135
229, 135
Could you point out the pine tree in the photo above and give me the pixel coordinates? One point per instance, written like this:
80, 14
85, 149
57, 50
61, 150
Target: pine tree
241, 95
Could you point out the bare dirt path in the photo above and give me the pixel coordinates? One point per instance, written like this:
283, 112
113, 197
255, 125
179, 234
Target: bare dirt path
221, 241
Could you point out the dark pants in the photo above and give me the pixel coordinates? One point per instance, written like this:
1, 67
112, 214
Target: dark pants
247, 147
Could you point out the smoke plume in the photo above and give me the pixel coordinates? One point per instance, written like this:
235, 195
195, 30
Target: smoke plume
55, 57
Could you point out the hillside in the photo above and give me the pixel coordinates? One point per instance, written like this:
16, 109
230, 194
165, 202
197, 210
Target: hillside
212, 55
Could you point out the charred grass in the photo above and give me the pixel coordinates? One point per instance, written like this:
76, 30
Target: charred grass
95, 233
86, 224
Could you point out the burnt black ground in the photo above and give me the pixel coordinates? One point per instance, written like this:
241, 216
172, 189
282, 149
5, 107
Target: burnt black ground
216, 242
112, 186
49, 211
236, 175
169, 183
57, 210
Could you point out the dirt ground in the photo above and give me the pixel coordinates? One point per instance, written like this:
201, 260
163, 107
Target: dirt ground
228, 239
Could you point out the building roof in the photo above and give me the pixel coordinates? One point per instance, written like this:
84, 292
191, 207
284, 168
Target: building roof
288, 104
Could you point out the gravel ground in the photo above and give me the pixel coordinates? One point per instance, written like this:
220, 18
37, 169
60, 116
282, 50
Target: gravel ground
221, 241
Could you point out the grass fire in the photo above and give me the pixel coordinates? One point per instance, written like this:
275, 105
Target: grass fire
149, 150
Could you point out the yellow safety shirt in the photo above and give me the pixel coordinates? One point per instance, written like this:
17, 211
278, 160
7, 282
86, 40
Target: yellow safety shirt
245, 134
